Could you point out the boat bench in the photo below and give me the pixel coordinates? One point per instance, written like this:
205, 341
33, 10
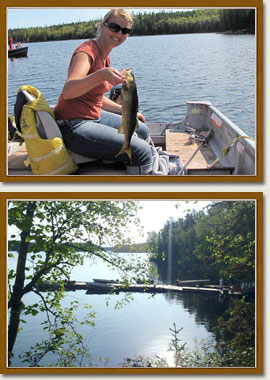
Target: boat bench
48, 128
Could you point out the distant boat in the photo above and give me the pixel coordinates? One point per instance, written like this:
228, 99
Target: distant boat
102, 281
18, 53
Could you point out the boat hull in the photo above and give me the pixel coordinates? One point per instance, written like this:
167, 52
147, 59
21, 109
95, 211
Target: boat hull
232, 151
103, 281
228, 151
18, 53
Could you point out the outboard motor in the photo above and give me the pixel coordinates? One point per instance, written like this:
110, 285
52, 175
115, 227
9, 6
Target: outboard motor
115, 93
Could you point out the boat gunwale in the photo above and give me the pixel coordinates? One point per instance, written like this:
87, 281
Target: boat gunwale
177, 127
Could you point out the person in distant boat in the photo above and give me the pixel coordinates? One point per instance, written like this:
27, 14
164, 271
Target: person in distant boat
91, 120
10, 43
19, 45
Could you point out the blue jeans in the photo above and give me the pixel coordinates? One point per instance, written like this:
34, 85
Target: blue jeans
100, 139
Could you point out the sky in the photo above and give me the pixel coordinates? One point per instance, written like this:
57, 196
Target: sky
30, 17
155, 214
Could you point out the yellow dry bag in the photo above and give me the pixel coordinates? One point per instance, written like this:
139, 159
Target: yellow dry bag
47, 156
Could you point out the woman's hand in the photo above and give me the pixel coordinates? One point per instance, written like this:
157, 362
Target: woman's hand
141, 117
112, 75
79, 82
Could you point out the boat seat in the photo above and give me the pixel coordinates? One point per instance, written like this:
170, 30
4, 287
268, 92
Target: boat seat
48, 128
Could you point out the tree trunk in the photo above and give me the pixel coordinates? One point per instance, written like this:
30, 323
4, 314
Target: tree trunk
15, 302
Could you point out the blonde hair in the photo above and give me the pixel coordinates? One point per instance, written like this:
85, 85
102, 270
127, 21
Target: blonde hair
114, 12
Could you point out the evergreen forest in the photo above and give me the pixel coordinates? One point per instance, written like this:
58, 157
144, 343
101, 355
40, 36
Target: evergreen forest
194, 21
218, 242
212, 244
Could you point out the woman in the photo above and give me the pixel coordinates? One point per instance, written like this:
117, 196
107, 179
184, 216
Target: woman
91, 119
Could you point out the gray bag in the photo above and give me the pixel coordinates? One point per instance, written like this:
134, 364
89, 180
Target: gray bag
165, 163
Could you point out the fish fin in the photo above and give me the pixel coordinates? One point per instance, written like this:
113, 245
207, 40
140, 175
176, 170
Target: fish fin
121, 129
126, 150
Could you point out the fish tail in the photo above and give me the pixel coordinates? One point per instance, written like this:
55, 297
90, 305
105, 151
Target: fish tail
125, 149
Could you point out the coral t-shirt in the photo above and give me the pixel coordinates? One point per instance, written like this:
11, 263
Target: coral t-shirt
88, 105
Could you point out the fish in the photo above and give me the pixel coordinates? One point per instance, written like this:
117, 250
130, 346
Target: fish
129, 101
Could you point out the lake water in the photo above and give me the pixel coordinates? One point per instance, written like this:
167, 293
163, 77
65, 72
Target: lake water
169, 71
139, 328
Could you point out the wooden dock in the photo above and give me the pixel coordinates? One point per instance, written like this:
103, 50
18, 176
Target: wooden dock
117, 287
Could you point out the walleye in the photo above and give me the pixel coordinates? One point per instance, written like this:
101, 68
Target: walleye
129, 100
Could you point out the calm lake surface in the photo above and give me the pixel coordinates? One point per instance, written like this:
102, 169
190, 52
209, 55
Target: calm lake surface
169, 71
139, 328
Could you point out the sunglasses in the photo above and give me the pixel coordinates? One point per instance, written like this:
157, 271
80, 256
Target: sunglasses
116, 28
